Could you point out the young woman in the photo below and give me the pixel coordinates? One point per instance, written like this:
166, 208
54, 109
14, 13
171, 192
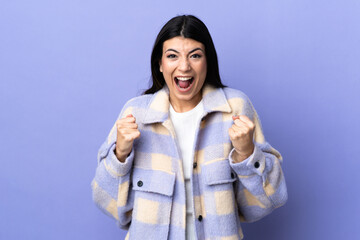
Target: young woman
188, 159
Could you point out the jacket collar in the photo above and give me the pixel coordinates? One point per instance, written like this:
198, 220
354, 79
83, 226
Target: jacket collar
214, 100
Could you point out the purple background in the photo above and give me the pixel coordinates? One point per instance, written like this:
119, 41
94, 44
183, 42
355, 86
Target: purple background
67, 67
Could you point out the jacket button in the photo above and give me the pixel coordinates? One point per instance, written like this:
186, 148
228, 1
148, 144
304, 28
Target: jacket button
257, 165
194, 165
200, 218
140, 183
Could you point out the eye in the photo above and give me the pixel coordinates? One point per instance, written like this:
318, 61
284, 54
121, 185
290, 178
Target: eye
196, 55
171, 56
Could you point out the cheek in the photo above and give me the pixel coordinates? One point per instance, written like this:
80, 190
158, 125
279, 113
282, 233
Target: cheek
203, 69
167, 72
167, 66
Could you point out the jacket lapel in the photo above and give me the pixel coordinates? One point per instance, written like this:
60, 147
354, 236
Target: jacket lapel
214, 100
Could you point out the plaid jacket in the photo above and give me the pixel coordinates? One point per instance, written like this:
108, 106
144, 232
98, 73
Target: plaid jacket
146, 193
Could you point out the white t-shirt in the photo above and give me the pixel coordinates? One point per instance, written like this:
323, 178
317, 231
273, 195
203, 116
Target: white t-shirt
186, 124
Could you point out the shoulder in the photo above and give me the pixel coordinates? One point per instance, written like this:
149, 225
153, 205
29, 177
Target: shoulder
231, 93
238, 101
139, 101
136, 106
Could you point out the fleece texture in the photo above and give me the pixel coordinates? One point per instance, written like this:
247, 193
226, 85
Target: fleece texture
146, 193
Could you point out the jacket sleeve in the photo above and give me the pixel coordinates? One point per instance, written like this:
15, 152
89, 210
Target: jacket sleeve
111, 184
261, 184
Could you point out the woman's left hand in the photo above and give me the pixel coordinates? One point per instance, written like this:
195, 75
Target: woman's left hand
241, 135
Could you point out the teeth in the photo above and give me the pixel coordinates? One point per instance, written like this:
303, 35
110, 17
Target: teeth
184, 78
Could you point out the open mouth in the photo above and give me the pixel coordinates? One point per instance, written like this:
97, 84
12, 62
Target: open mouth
184, 83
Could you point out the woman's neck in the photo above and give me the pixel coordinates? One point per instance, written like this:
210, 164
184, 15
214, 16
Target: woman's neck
184, 105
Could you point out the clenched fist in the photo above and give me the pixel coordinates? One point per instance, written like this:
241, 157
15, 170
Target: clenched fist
241, 135
127, 132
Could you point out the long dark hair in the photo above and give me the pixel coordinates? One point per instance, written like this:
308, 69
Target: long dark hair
187, 26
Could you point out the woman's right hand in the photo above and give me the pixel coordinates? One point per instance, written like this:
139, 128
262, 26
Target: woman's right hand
127, 132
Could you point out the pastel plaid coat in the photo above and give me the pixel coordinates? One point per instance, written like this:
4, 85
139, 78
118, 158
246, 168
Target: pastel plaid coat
146, 193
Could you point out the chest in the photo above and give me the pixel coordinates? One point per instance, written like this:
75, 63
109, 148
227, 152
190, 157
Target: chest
157, 148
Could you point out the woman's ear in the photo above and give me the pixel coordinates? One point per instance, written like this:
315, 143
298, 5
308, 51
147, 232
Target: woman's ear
160, 66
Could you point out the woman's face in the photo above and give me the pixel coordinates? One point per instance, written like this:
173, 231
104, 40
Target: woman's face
184, 67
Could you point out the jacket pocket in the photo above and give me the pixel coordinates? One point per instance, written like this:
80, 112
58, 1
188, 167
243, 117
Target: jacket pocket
153, 181
218, 172
153, 192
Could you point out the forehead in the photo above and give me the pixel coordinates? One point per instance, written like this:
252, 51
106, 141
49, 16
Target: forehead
182, 44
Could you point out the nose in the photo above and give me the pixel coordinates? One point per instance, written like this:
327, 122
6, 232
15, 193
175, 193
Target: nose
184, 65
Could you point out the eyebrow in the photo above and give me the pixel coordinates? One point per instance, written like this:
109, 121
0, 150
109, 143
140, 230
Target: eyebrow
195, 49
